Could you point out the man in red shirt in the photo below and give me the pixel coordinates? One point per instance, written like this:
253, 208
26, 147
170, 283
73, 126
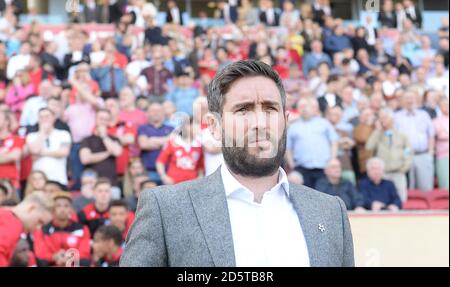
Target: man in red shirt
10, 150
184, 156
124, 131
96, 214
52, 242
32, 213
120, 216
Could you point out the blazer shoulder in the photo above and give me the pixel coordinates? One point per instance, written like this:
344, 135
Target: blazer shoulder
174, 193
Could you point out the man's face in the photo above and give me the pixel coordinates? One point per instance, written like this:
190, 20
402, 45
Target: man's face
103, 118
36, 217
55, 107
126, 98
112, 106
118, 216
100, 245
333, 169
385, 120
63, 209
375, 172
409, 100
102, 194
155, 113
253, 127
46, 118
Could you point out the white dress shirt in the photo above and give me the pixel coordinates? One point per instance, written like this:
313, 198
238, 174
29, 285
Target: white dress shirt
266, 234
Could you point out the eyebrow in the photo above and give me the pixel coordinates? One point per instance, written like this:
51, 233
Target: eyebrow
251, 104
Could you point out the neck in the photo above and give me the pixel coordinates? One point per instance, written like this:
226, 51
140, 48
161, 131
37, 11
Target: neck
260, 186
62, 222
157, 124
334, 180
101, 207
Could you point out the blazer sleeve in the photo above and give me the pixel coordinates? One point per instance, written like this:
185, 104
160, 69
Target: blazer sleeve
145, 245
348, 259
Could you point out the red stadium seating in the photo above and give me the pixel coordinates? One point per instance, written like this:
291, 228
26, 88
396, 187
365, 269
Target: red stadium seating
438, 199
417, 200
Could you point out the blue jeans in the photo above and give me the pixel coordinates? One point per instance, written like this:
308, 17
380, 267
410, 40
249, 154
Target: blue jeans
76, 166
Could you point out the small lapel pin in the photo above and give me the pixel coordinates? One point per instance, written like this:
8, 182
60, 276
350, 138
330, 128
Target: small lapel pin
321, 228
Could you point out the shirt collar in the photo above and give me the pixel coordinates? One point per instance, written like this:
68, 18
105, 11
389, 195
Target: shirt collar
232, 185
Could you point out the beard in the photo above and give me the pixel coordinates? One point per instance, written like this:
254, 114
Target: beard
241, 162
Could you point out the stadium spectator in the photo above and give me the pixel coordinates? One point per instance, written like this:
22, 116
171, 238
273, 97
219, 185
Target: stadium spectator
10, 150
49, 148
153, 79
152, 137
120, 216
106, 248
56, 238
32, 213
311, 142
35, 182
392, 146
99, 151
387, 16
174, 15
184, 94
32, 105
334, 184
413, 13
137, 182
378, 193
416, 124
96, 214
315, 57
88, 181
441, 126
269, 15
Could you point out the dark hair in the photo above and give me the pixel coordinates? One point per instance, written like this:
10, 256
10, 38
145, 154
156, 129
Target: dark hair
118, 203
102, 180
58, 184
222, 82
109, 232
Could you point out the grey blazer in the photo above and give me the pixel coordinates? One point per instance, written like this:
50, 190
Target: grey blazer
188, 225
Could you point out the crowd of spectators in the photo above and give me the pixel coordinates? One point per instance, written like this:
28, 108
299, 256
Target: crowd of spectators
88, 121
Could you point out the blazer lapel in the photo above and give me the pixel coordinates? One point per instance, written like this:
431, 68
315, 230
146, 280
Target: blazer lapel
210, 205
309, 219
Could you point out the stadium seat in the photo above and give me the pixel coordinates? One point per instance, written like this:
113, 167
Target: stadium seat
417, 200
438, 199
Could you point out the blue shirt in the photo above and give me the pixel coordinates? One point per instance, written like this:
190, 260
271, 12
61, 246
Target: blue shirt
103, 76
417, 126
149, 156
183, 99
310, 142
384, 192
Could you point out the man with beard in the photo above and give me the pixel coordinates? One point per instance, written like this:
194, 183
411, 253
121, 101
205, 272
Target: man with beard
246, 213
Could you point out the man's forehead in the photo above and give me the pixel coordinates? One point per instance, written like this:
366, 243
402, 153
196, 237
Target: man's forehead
255, 89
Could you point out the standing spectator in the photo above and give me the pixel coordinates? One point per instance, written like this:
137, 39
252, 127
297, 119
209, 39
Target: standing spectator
183, 156
20, 61
32, 213
417, 126
391, 146
137, 187
315, 57
320, 9
128, 111
124, 131
54, 239
49, 148
99, 151
441, 125
334, 184
10, 151
106, 247
152, 137
32, 106
184, 94
120, 216
387, 16
269, 14
378, 193
311, 142
88, 180
135, 67
96, 214
330, 99
413, 13
154, 79
228, 11
174, 15
361, 134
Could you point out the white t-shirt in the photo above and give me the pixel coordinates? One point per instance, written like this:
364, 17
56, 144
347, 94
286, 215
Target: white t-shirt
54, 168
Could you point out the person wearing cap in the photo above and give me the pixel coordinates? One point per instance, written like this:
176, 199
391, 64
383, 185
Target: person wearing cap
32, 213
53, 241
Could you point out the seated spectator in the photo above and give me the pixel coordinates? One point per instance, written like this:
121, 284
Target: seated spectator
184, 94
137, 182
183, 156
441, 126
35, 182
10, 150
96, 214
334, 184
120, 216
337, 41
99, 151
311, 142
32, 213
49, 148
392, 146
52, 242
88, 180
152, 137
106, 248
378, 193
